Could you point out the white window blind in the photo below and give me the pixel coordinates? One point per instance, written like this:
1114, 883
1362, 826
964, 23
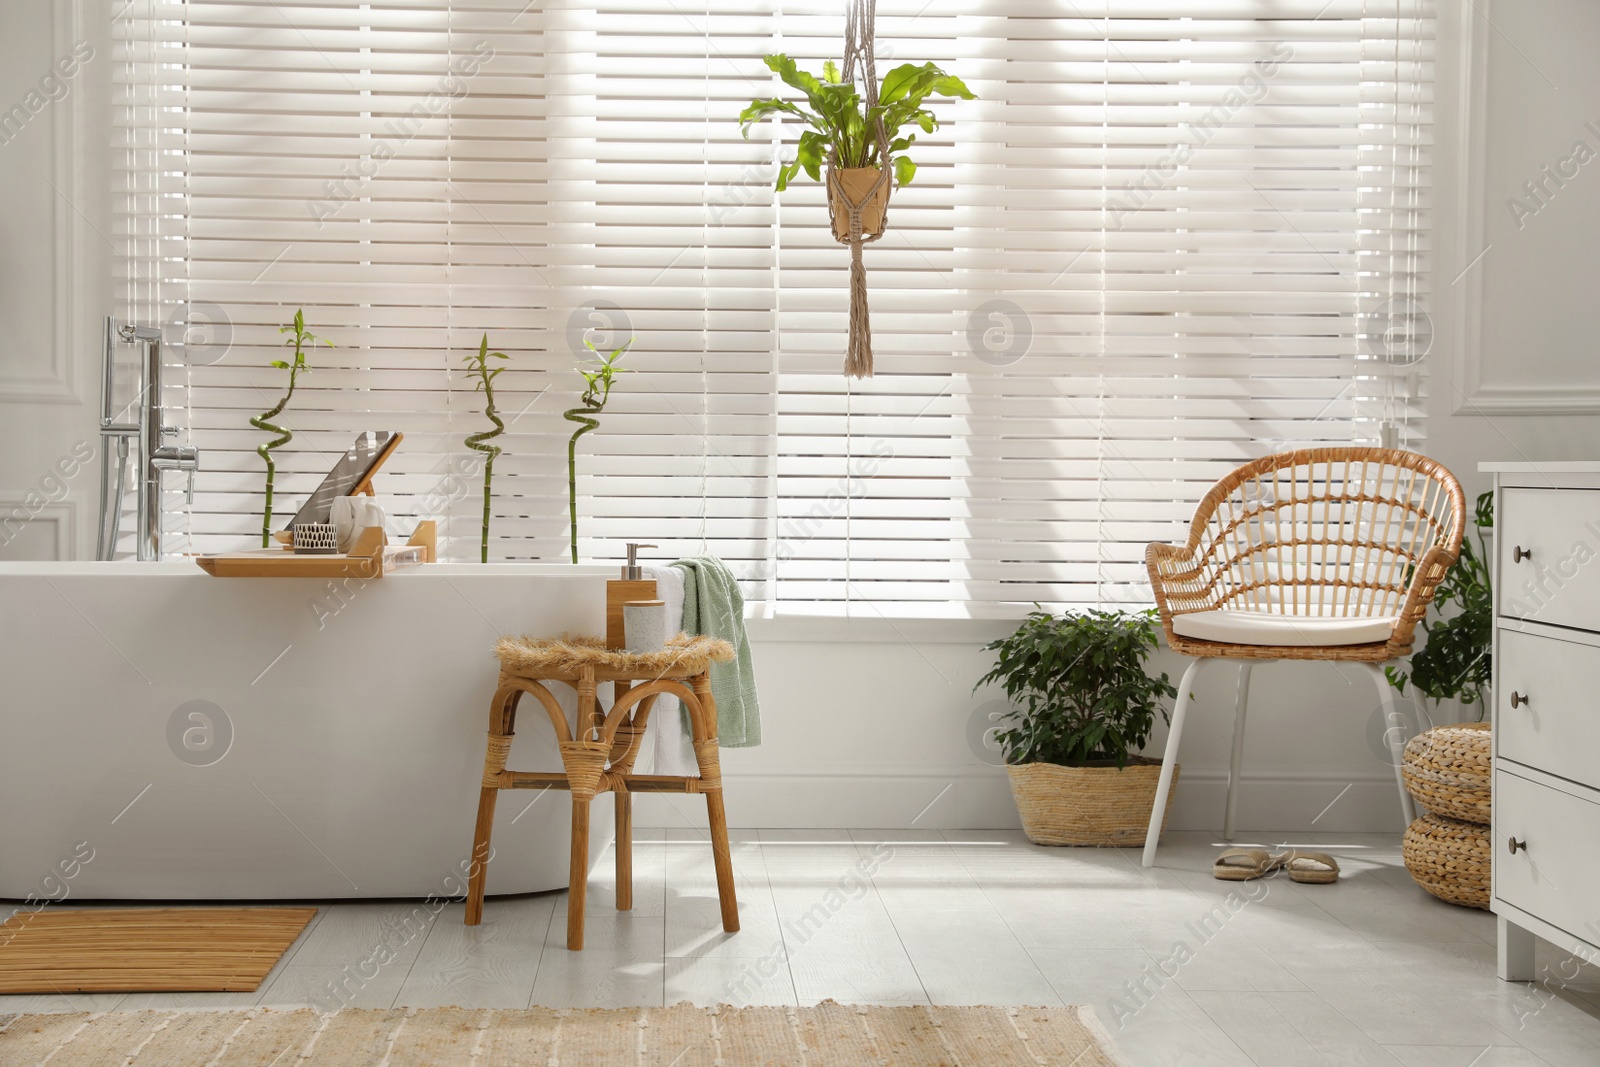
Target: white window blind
1165, 239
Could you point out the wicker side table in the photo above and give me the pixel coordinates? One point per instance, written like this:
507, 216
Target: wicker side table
598, 752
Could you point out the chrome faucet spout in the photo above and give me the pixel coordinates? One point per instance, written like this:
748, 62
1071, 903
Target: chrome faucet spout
176, 458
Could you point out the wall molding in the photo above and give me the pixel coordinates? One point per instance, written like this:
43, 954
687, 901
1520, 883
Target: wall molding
1475, 395
63, 515
68, 166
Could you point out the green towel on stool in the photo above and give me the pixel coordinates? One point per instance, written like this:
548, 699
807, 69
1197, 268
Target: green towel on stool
713, 606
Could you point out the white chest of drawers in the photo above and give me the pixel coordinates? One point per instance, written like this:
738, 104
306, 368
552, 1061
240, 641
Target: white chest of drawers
1546, 710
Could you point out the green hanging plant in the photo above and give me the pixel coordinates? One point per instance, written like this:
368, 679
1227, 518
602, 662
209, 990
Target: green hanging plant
478, 367
840, 122
597, 390
301, 339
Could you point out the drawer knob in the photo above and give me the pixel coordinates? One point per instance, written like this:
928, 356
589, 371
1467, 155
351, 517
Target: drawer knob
1518, 553
1516, 845
1517, 699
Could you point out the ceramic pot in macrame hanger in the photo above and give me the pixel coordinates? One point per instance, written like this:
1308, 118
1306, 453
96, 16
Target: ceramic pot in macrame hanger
858, 197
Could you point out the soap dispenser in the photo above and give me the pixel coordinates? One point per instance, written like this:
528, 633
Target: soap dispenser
631, 571
633, 586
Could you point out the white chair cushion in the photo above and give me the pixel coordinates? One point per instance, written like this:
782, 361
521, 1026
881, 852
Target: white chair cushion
1234, 627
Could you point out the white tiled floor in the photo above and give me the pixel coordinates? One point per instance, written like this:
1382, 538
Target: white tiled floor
1367, 971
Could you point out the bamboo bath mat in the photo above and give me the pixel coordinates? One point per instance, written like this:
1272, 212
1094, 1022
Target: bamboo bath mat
827, 1035
145, 950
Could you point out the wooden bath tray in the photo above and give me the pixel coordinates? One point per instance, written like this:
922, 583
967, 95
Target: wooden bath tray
365, 559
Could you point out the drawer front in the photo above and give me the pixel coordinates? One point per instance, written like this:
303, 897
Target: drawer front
1559, 582
1555, 875
1555, 726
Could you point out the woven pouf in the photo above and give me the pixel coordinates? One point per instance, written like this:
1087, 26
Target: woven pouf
1447, 771
1450, 859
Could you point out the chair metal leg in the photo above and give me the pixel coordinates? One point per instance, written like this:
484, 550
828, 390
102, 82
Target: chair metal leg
1169, 761
1245, 667
1394, 733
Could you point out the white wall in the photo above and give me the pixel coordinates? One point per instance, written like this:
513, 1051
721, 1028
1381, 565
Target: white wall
867, 721
53, 275
1514, 372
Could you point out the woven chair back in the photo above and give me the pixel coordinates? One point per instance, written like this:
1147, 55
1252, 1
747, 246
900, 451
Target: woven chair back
1331, 532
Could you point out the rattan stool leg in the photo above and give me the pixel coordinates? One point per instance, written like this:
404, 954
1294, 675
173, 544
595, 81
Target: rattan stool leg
480, 847
624, 848
502, 717
578, 878
704, 722
723, 859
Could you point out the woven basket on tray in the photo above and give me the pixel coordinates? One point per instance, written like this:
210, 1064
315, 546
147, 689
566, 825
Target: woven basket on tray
1099, 806
1447, 770
1450, 859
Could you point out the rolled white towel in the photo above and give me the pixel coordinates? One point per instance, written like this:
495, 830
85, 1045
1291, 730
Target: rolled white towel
669, 737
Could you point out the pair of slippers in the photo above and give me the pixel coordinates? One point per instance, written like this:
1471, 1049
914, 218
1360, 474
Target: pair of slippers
1244, 864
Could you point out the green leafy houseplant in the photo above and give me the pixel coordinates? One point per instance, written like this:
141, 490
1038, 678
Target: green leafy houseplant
1079, 690
1455, 661
301, 340
840, 123
597, 390
478, 367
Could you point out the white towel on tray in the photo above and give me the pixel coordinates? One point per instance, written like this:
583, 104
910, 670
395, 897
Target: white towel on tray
669, 737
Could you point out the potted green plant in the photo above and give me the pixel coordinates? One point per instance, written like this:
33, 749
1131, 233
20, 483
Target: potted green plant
1083, 703
1454, 663
845, 130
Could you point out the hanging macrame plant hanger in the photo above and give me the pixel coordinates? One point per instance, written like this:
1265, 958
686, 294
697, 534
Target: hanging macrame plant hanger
858, 197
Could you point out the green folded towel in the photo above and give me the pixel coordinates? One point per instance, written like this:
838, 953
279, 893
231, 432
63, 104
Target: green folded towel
713, 606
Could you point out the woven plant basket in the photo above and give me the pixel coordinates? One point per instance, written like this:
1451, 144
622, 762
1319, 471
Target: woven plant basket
1450, 859
1447, 771
857, 182
1099, 806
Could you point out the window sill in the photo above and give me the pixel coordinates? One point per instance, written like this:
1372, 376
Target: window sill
877, 630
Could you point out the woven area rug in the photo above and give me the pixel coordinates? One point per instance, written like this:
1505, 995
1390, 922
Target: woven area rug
827, 1035
145, 950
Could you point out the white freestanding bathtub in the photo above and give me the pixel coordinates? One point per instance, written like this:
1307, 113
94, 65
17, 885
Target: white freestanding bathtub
169, 735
